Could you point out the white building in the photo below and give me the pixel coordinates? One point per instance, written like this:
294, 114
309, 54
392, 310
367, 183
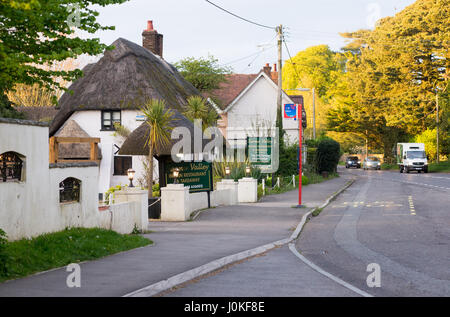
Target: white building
247, 101
112, 91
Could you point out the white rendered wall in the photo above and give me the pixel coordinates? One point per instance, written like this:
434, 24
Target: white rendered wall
20, 214
90, 121
31, 207
258, 106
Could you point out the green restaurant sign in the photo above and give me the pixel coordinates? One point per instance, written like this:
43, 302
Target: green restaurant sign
196, 175
260, 150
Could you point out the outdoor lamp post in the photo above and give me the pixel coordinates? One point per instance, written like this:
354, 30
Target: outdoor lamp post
247, 170
227, 172
131, 173
176, 173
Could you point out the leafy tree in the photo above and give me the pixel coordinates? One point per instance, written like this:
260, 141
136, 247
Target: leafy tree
35, 33
393, 74
205, 74
158, 117
7, 110
317, 67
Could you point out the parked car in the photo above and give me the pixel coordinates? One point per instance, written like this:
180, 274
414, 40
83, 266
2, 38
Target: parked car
352, 161
372, 162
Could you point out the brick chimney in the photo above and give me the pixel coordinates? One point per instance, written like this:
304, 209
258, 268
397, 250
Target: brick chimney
267, 69
152, 40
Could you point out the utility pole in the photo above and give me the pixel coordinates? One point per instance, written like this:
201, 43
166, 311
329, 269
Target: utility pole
314, 112
437, 127
280, 92
367, 144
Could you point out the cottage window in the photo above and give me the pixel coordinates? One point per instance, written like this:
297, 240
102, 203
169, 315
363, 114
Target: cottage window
69, 190
122, 164
109, 118
10, 167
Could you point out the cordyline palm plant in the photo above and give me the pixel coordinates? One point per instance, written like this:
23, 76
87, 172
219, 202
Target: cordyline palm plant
197, 109
158, 118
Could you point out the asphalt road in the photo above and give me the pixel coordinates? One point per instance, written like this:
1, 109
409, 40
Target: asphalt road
399, 221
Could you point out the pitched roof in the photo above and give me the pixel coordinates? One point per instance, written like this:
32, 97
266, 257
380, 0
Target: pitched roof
74, 150
230, 89
235, 84
43, 114
135, 144
124, 78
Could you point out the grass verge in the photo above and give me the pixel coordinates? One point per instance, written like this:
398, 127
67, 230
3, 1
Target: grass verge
52, 250
286, 183
442, 167
389, 166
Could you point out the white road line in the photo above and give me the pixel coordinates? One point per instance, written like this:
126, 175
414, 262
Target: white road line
325, 273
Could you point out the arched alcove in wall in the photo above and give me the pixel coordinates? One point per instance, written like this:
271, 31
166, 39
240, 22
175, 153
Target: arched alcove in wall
70, 190
12, 167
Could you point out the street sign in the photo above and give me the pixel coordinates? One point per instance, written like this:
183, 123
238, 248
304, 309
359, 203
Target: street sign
260, 150
195, 175
290, 111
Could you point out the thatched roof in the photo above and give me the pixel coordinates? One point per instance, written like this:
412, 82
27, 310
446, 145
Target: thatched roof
124, 78
43, 114
135, 144
74, 150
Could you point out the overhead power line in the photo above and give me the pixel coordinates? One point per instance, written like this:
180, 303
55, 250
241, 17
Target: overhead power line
290, 57
239, 17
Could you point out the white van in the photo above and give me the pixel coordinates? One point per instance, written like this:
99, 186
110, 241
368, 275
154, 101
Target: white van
412, 157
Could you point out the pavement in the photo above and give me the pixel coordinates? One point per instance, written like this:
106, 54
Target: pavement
216, 233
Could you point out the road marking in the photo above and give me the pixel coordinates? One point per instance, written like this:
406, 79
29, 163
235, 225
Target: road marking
412, 209
329, 275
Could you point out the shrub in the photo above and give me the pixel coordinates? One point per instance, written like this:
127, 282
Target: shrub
3, 242
311, 160
305, 180
328, 154
260, 191
288, 160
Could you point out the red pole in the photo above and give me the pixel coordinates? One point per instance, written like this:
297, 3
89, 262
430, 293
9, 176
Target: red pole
300, 126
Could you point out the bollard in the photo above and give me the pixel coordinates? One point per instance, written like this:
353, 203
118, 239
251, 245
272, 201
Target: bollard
293, 180
264, 186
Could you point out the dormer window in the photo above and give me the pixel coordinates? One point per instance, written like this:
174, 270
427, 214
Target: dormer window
109, 117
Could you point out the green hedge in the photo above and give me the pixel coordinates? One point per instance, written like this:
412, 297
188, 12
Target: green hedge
328, 154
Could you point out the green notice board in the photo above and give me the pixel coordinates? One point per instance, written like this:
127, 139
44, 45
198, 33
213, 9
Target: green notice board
196, 175
260, 150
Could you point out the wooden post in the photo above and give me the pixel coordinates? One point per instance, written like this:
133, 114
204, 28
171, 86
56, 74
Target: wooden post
53, 146
94, 151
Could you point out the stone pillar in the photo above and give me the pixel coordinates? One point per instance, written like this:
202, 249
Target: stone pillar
233, 186
175, 203
248, 190
140, 196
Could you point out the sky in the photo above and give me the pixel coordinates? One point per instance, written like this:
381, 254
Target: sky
195, 28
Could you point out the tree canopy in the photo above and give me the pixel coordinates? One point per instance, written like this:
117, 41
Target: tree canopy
393, 74
36, 33
205, 74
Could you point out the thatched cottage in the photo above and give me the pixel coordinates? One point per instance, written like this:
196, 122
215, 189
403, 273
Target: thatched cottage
113, 90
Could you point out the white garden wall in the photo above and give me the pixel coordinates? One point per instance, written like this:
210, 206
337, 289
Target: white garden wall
31, 206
